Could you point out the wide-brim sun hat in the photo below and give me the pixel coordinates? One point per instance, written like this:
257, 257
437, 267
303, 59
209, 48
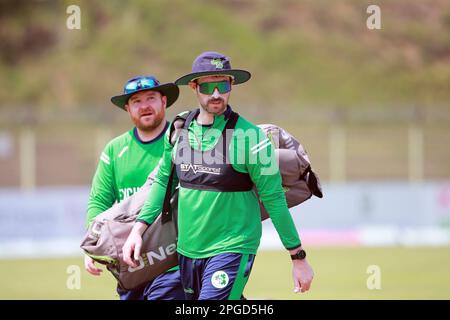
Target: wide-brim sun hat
144, 83
213, 63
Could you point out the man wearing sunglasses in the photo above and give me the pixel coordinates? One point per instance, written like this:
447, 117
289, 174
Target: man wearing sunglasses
125, 164
218, 212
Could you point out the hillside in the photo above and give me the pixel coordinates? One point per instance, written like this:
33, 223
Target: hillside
301, 53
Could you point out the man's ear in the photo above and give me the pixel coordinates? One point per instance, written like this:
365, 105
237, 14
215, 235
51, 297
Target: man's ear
164, 100
193, 85
127, 108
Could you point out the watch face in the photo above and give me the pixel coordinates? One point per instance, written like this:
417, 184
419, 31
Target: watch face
301, 254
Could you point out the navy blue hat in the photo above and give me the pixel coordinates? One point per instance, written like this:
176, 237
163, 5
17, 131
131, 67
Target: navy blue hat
213, 63
143, 83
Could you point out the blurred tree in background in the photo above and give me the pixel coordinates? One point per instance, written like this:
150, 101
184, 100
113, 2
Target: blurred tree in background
300, 53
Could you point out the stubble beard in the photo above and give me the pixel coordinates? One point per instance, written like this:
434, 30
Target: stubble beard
216, 110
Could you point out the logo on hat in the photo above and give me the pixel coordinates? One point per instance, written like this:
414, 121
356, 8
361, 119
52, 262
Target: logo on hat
218, 63
219, 279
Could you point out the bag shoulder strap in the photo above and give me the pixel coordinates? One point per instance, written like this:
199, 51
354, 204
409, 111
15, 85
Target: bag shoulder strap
180, 122
166, 214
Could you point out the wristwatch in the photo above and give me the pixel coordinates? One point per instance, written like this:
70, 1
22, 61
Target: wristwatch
300, 255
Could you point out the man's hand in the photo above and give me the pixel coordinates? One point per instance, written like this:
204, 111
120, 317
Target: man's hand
302, 274
132, 247
89, 265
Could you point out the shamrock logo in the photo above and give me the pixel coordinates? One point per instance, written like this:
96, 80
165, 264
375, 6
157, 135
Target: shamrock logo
218, 63
219, 279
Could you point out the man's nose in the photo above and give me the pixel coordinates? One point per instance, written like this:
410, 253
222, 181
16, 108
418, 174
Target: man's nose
216, 93
144, 105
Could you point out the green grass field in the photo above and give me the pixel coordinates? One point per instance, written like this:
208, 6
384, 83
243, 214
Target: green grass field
340, 273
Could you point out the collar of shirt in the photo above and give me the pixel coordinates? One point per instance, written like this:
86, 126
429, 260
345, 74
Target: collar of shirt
138, 138
200, 135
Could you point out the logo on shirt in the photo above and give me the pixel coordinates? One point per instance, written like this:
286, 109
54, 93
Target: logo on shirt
125, 193
199, 168
219, 279
260, 146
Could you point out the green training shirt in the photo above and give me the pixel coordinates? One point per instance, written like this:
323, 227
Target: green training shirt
211, 222
123, 168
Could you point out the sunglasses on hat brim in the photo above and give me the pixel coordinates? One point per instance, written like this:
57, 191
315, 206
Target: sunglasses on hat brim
140, 84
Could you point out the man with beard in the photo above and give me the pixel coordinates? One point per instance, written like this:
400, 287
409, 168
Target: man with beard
219, 219
125, 164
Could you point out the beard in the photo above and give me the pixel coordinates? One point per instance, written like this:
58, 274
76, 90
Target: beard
214, 106
149, 123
